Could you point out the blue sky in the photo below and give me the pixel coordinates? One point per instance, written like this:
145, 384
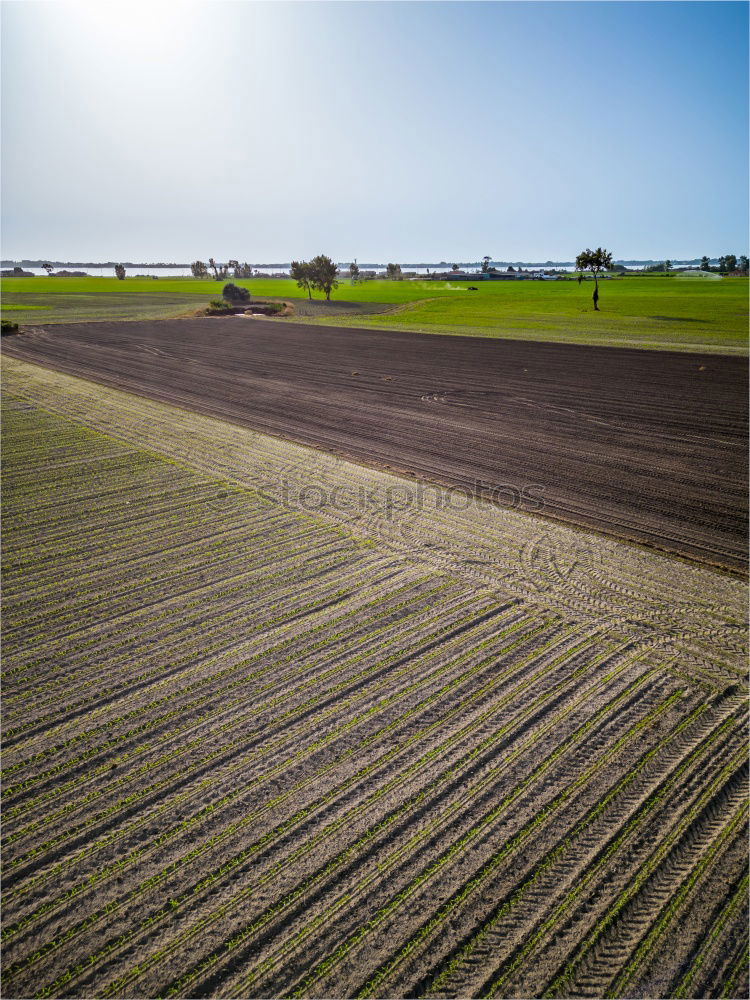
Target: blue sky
383, 131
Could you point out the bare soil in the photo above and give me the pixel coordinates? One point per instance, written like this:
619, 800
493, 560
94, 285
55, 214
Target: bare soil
647, 446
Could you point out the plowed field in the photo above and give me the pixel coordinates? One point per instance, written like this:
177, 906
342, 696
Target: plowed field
648, 446
375, 749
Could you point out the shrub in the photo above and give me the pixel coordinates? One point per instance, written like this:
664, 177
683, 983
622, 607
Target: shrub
218, 307
235, 293
268, 308
8, 327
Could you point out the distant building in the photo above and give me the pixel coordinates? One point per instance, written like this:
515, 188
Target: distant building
459, 276
492, 275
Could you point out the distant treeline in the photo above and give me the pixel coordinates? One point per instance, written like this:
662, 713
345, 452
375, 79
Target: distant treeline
287, 264
79, 263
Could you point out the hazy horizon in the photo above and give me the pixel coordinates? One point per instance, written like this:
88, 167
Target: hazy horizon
262, 131
157, 262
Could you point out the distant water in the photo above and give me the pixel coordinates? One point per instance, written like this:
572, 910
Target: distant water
184, 272
108, 272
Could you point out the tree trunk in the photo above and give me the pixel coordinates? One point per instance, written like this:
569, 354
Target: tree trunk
595, 296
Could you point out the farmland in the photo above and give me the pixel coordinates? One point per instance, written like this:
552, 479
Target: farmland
648, 447
672, 313
256, 745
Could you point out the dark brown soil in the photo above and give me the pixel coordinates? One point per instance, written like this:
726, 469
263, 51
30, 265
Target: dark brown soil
645, 445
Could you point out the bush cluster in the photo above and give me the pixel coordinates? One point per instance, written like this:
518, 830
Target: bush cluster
235, 293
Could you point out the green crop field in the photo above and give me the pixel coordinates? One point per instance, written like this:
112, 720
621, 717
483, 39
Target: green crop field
673, 313
256, 749
668, 313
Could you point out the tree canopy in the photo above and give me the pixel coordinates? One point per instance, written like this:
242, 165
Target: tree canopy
221, 271
323, 274
595, 261
300, 271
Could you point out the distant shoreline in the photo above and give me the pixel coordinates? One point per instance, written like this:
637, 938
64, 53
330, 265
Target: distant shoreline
439, 264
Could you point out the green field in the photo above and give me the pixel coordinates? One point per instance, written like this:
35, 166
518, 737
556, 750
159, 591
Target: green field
671, 313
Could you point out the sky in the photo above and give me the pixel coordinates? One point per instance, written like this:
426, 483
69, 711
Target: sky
412, 132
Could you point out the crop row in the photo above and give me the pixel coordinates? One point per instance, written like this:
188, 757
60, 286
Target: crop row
242, 721
285, 739
189, 895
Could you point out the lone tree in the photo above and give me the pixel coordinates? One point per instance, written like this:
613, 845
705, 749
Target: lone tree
393, 271
199, 269
595, 261
235, 293
485, 264
667, 265
221, 271
323, 273
48, 268
302, 274
120, 271
705, 264
354, 271
743, 262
